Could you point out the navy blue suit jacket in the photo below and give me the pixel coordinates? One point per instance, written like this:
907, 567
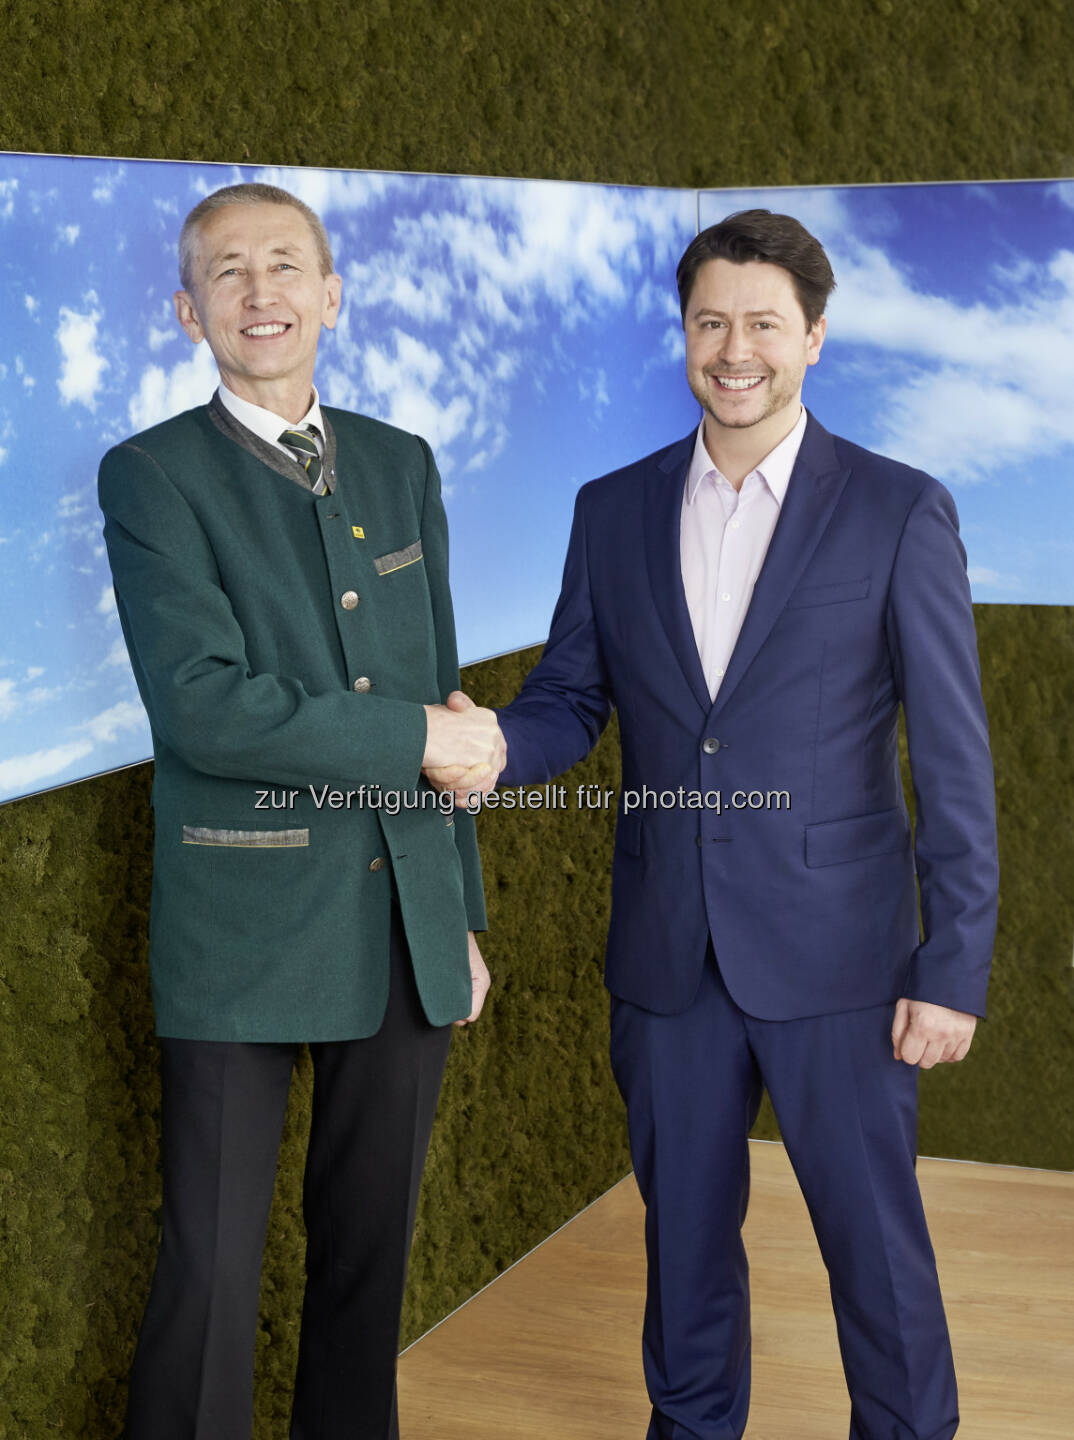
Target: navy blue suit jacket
862, 603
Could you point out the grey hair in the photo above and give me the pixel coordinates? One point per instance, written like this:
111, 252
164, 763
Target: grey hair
253, 193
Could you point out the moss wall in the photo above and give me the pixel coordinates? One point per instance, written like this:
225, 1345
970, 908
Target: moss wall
680, 93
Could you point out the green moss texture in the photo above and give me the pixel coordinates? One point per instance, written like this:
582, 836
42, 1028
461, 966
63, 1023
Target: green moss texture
530, 1129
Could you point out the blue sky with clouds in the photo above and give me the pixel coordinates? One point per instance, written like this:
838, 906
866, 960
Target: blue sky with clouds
529, 330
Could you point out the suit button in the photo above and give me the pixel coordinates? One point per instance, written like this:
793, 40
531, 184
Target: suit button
710, 745
349, 599
363, 684
377, 864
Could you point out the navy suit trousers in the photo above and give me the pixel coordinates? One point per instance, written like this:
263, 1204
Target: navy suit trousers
847, 1111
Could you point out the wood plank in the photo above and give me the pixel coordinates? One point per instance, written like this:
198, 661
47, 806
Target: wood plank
553, 1347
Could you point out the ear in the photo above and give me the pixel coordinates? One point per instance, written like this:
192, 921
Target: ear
187, 316
333, 294
816, 340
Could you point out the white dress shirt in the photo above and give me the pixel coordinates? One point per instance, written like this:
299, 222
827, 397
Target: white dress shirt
724, 535
268, 426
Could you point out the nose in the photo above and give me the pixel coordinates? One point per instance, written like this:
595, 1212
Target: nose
259, 289
735, 349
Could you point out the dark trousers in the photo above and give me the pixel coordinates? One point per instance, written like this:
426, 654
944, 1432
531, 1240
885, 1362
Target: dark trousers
848, 1115
222, 1115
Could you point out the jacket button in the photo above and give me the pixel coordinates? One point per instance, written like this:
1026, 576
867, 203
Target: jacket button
349, 599
710, 745
363, 684
377, 864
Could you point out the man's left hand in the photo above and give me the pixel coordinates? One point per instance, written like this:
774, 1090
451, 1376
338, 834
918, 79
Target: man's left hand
479, 980
928, 1035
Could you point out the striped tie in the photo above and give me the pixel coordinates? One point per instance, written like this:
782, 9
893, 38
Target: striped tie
303, 446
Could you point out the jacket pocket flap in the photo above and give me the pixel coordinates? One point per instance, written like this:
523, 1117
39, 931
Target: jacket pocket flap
834, 842
829, 594
244, 839
398, 559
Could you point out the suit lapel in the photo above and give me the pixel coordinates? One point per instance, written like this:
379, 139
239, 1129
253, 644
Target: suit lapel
663, 508
816, 483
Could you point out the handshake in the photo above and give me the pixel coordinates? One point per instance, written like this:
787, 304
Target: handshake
464, 747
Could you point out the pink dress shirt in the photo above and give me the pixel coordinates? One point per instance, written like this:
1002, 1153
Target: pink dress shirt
724, 535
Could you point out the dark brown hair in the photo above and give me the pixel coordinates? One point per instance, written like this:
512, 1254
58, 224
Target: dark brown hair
760, 235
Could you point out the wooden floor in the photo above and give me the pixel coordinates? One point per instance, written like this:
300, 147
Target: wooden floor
551, 1350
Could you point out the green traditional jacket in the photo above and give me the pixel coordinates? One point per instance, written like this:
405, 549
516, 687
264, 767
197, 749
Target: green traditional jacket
284, 645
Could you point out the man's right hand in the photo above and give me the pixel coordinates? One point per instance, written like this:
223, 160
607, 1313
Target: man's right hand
464, 746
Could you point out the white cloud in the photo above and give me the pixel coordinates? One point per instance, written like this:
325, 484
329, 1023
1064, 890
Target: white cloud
593, 389
404, 381
70, 506
1062, 190
23, 772
1004, 370
673, 345
163, 393
31, 304
126, 715
117, 655
8, 699
325, 191
83, 365
161, 336
68, 233
106, 605
425, 297
34, 672
479, 275
982, 575
3, 454
41, 694
8, 189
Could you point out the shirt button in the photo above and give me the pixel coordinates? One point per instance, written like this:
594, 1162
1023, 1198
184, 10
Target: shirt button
735, 524
363, 684
724, 596
377, 864
349, 599
710, 745
719, 674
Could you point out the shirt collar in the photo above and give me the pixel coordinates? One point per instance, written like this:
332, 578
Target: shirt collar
264, 423
775, 469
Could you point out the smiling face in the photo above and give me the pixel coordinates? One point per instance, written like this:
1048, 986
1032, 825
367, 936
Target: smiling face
258, 297
747, 350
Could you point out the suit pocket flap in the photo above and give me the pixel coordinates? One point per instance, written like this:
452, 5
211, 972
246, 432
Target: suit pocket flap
829, 594
245, 839
834, 842
398, 559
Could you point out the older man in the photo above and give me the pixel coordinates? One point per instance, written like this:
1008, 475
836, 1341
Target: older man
281, 574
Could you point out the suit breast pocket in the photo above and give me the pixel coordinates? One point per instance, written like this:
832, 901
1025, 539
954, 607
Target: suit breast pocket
837, 592
397, 560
